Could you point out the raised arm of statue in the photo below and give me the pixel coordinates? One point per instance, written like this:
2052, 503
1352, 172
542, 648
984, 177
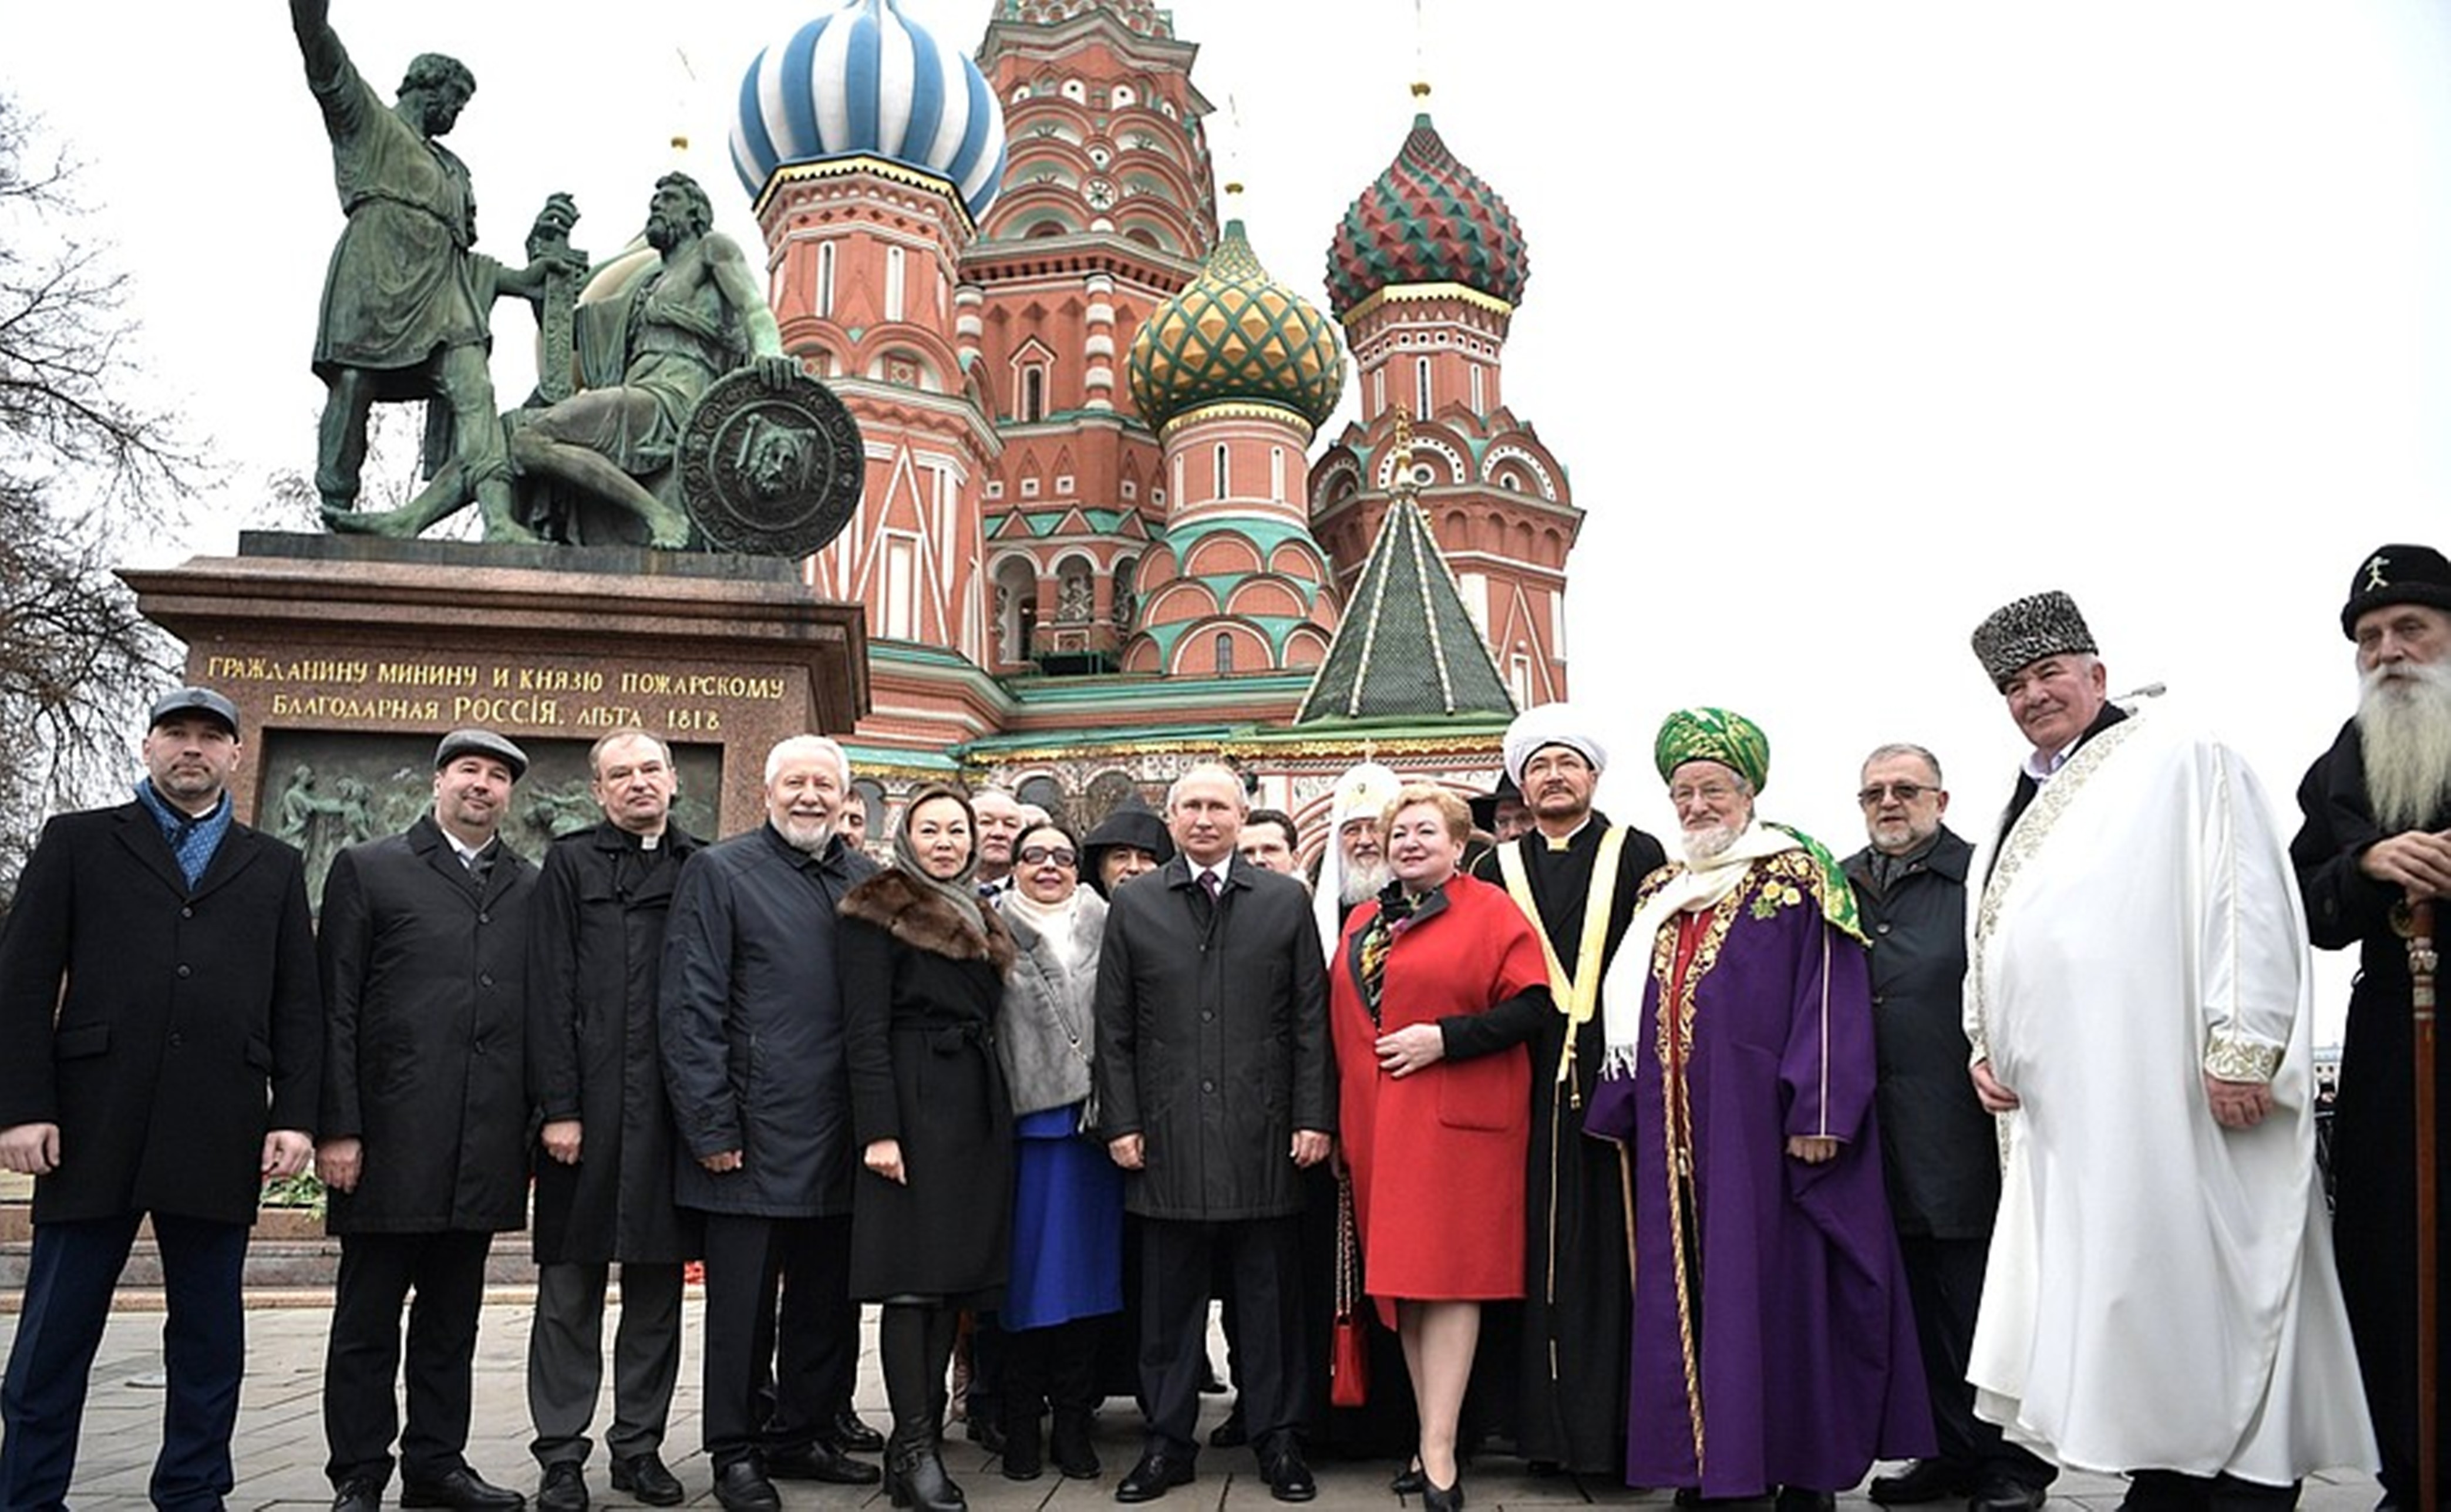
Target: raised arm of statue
317, 42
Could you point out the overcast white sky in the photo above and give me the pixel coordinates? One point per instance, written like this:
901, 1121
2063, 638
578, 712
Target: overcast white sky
1850, 322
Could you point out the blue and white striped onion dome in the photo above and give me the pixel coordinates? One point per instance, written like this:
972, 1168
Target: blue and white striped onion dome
864, 81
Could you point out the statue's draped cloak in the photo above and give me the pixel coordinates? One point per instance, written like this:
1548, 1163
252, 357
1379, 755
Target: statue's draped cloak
402, 283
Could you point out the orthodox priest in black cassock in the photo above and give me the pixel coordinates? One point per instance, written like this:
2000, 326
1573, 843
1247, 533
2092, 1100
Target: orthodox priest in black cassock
2399, 613
1568, 1343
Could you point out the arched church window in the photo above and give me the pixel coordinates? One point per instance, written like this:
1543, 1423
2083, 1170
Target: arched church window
1124, 600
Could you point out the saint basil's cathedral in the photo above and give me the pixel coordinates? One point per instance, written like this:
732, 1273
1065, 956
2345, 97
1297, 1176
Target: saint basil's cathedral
1095, 545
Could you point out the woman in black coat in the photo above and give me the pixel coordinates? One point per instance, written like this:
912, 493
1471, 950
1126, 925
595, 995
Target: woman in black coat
923, 967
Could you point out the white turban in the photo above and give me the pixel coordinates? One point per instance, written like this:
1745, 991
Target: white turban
1550, 724
1362, 792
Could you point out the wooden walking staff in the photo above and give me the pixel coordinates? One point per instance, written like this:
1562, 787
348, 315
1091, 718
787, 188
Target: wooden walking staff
2415, 923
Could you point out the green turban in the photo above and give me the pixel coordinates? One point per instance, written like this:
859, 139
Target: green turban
1714, 734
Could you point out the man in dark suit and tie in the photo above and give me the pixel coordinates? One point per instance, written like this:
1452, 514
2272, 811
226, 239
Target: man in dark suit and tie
1215, 1085
160, 1040
424, 1121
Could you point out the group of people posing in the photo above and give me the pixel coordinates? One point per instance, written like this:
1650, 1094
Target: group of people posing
1732, 1170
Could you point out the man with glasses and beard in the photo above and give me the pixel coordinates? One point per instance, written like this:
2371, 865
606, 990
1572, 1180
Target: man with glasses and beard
2377, 837
1773, 1350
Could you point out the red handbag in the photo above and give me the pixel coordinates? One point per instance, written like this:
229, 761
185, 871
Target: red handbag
1348, 1360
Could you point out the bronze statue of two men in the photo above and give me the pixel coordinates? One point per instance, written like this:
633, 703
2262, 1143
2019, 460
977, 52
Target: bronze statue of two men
405, 316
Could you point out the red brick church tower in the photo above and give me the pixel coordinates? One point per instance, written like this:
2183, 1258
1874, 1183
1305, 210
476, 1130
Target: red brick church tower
1426, 270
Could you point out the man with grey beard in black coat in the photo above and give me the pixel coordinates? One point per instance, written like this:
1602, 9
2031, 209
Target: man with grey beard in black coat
2377, 837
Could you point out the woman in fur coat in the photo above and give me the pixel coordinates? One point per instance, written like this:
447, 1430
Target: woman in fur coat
922, 966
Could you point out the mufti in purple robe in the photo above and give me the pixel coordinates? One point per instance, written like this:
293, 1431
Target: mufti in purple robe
1772, 1341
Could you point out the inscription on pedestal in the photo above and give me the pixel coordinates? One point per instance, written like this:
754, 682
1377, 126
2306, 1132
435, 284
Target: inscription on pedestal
539, 696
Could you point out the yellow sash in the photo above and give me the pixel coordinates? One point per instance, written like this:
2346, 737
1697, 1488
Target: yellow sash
1577, 995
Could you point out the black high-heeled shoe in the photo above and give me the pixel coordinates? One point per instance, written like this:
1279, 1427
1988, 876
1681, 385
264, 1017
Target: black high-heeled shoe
1443, 1498
1408, 1481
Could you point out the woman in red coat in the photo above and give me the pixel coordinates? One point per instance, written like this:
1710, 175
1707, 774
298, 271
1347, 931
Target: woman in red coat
1427, 1137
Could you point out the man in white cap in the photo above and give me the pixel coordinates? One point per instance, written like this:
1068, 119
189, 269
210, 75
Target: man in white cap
2160, 1296
1574, 875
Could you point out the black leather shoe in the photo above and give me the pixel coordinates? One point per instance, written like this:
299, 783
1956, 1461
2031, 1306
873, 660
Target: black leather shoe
462, 1489
1408, 1481
1442, 1498
1290, 1479
357, 1496
742, 1487
847, 1432
645, 1477
564, 1489
821, 1461
1921, 1480
1162, 1468
2000, 1493
1233, 1433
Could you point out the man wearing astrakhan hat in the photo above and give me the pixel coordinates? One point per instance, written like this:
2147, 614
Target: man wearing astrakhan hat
1574, 875
1773, 1346
2159, 1297
424, 940
2377, 835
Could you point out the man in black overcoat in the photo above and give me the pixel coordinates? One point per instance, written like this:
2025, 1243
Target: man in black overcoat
604, 1184
1216, 1086
1940, 1154
424, 940
2378, 835
750, 1020
160, 1041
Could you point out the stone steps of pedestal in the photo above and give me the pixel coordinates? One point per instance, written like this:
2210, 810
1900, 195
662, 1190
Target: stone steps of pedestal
288, 1252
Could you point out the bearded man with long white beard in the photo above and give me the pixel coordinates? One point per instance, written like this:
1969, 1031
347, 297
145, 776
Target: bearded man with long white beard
1772, 1341
2377, 837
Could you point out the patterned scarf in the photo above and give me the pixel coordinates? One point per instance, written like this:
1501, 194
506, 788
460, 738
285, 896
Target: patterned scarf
1396, 910
192, 840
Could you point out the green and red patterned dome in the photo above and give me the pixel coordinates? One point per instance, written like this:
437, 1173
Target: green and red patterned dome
1427, 220
1235, 335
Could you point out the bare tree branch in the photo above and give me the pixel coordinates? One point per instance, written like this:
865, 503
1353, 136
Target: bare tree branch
85, 463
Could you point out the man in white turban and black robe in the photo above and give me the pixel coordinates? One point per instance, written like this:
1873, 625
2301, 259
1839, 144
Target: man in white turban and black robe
1575, 875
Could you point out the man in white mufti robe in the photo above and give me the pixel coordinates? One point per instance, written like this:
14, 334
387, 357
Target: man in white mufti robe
2161, 1296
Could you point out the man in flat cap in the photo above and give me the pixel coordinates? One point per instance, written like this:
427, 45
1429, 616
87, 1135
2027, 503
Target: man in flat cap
2159, 1297
2377, 837
160, 1040
1771, 1315
424, 941
1574, 875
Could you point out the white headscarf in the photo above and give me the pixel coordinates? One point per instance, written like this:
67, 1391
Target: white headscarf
1362, 792
1550, 724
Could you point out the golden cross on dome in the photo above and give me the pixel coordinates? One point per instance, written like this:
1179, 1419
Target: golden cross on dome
2374, 566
